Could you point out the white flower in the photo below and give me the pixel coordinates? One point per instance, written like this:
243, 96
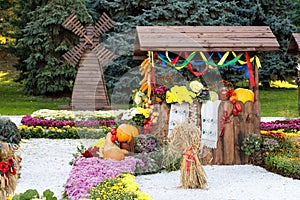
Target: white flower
126, 115
196, 86
133, 112
137, 98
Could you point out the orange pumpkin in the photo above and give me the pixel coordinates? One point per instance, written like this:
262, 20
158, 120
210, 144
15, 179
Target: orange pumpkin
125, 132
244, 95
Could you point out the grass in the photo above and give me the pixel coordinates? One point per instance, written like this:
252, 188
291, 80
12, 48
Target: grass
278, 102
13, 101
275, 102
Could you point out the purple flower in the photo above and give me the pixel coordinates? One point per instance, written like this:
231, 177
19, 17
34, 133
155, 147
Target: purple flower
29, 121
89, 172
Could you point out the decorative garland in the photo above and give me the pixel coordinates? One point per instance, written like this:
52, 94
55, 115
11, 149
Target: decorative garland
166, 60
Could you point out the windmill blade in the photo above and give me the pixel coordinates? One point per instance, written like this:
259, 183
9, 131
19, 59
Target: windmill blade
73, 56
104, 23
72, 23
104, 55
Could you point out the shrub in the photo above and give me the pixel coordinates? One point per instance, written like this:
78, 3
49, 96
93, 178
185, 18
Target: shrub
9, 132
31, 194
145, 143
252, 146
284, 163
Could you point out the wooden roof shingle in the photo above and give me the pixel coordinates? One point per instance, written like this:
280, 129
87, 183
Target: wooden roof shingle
203, 38
294, 45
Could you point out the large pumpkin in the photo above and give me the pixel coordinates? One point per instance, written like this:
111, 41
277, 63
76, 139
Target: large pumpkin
244, 95
125, 132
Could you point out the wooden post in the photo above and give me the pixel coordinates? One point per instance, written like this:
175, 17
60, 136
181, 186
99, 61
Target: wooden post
256, 106
298, 88
228, 138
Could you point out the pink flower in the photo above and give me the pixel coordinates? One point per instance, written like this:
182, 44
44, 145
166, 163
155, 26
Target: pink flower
89, 172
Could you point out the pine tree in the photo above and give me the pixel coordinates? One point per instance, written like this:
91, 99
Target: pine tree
46, 41
276, 14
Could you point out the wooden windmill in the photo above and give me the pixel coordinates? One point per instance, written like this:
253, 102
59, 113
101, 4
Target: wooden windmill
89, 92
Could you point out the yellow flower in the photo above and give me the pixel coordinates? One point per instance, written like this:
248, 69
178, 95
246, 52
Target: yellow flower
143, 111
99, 143
171, 98
143, 196
22, 127
181, 94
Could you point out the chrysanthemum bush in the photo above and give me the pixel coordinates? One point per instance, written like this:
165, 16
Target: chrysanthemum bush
276, 150
62, 132
281, 128
89, 172
67, 124
122, 187
75, 115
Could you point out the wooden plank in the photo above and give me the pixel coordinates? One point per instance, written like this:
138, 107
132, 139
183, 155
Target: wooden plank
209, 35
90, 104
144, 50
218, 152
238, 135
249, 117
202, 44
204, 38
228, 155
87, 83
84, 98
197, 29
164, 39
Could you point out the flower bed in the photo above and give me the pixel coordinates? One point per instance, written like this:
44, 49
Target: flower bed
89, 172
281, 129
278, 148
64, 132
58, 124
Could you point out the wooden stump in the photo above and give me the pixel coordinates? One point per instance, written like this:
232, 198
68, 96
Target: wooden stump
161, 129
128, 146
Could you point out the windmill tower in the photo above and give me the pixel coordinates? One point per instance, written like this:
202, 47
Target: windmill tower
89, 92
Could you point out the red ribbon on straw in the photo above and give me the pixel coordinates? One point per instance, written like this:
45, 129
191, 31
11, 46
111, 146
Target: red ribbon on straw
190, 157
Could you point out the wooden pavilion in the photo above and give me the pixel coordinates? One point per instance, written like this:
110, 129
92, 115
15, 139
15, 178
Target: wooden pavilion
294, 50
252, 39
294, 45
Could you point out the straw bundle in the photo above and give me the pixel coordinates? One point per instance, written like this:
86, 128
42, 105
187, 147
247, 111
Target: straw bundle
8, 181
186, 141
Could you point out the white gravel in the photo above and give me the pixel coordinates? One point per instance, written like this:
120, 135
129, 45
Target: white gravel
45, 165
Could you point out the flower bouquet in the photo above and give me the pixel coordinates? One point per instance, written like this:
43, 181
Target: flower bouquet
160, 93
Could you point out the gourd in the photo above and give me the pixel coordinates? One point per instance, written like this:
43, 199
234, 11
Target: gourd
125, 132
111, 150
244, 95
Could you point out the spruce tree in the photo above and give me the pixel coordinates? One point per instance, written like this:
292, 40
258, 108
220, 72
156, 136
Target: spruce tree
46, 40
276, 14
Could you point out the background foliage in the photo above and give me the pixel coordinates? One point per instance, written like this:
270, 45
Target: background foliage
41, 40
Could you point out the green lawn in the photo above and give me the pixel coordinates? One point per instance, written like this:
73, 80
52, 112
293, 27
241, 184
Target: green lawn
279, 102
13, 101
